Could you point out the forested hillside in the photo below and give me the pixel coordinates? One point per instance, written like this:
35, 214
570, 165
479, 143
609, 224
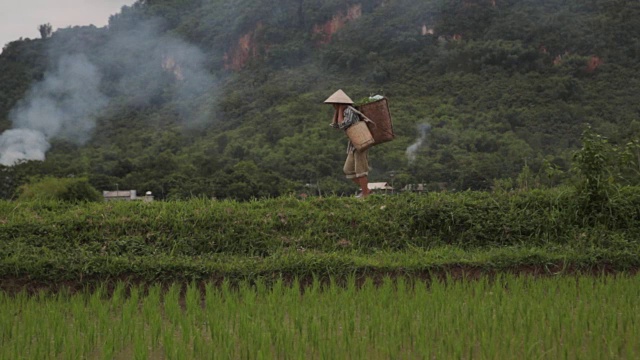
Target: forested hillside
222, 98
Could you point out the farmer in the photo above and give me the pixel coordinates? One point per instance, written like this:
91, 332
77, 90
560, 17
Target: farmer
356, 167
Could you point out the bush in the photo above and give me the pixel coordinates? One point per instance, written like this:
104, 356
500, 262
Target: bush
64, 189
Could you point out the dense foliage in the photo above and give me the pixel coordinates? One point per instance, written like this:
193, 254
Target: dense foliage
200, 238
507, 87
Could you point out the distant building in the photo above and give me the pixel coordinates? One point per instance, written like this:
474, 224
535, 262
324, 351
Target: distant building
148, 197
126, 195
380, 187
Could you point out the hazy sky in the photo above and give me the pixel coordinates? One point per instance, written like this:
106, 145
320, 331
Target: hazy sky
20, 18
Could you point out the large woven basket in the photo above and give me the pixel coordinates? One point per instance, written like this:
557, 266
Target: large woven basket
360, 135
382, 127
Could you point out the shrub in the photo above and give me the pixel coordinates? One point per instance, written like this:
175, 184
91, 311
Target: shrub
64, 189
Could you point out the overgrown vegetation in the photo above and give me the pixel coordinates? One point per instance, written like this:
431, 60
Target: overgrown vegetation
592, 223
200, 239
69, 190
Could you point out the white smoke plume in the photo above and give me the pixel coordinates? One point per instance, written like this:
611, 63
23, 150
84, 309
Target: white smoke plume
22, 144
138, 62
62, 105
140, 57
423, 130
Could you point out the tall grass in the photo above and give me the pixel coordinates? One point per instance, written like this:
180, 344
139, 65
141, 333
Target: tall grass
494, 318
198, 239
259, 228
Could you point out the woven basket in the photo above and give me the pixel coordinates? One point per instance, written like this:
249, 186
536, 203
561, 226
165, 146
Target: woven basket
382, 127
360, 135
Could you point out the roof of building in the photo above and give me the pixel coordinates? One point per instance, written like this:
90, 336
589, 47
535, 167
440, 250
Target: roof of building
379, 186
119, 193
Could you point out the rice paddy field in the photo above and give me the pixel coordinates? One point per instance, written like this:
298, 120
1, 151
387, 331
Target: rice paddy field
502, 317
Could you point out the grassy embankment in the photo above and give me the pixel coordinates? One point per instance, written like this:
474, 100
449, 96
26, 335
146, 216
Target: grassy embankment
544, 230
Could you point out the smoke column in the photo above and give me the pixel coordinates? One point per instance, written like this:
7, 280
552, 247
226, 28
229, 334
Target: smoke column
423, 130
62, 105
137, 65
22, 144
144, 55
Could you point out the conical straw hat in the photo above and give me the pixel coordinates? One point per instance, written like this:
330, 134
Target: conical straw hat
339, 97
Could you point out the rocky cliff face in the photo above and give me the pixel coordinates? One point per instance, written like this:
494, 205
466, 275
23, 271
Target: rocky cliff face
247, 46
170, 65
593, 63
324, 32
245, 49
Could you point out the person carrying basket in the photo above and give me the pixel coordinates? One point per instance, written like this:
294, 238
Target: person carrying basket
346, 117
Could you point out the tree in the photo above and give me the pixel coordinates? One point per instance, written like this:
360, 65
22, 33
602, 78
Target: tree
45, 30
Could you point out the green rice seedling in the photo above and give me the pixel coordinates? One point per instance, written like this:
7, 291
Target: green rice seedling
151, 314
555, 317
193, 300
171, 304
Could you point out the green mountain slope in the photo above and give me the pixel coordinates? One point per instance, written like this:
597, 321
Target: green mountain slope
221, 98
